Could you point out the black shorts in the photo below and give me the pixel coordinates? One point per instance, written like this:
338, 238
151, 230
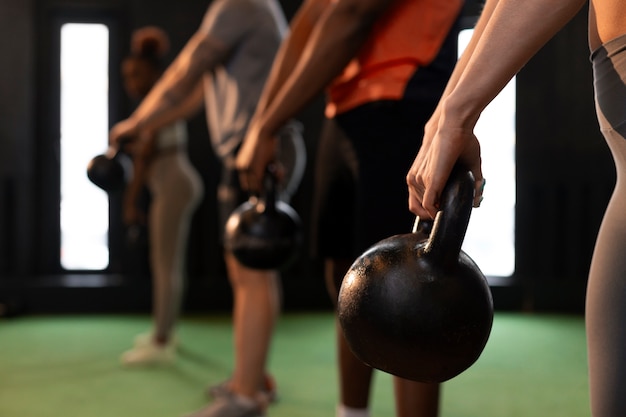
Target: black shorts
360, 194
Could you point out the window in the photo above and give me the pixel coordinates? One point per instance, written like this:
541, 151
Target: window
490, 238
84, 132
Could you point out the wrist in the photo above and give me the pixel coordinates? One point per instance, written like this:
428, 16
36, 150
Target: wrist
263, 130
137, 125
463, 113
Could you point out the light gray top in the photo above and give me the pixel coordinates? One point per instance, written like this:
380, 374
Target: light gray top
252, 31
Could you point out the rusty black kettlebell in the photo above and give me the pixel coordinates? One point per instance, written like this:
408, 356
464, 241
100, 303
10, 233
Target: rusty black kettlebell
265, 232
110, 173
419, 307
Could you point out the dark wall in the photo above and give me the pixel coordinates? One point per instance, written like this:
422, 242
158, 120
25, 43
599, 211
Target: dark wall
565, 173
558, 211
16, 133
29, 267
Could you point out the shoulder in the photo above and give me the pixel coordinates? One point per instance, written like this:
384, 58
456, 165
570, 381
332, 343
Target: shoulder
240, 6
237, 12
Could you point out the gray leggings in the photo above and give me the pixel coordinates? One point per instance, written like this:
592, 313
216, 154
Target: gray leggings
176, 190
606, 293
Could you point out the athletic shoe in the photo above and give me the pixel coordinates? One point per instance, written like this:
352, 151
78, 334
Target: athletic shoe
147, 338
230, 405
268, 390
149, 354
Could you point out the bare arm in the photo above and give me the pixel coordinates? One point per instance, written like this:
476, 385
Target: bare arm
340, 31
286, 59
513, 33
188, 107
468, 52
431, 126
181, 80
325, 37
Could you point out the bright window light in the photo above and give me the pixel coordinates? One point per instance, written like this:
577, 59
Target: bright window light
490, 238
84, 130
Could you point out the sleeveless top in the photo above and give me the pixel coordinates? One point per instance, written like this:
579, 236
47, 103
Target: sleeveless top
408, 37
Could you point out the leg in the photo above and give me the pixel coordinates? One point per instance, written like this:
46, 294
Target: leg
176, 191
412, 398
333, 237
381, 194
256, 308
606, 301
354, 376
416, 398
605, 312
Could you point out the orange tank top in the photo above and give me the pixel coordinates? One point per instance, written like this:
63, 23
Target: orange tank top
408, 36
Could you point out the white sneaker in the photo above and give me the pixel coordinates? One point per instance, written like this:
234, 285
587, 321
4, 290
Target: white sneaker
149, 354
147, 338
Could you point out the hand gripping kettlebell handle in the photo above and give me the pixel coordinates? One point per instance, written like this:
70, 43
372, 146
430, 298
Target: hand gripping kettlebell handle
451, 221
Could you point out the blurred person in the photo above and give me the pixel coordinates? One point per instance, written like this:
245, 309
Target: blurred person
225, 63
513, 32
383, 65
161, 163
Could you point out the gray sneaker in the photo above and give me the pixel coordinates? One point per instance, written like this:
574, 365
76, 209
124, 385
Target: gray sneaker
228, 406
268, 389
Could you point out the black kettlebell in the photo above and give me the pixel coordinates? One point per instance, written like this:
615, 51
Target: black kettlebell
264, 233
419, 307
110, 173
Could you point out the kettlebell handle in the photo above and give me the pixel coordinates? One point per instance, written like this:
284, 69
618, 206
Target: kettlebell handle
451, 221
270, 185
113, 152
422, 226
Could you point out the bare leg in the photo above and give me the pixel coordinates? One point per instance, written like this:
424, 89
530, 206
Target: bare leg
416, 399
354, 376
255, 311
413, 399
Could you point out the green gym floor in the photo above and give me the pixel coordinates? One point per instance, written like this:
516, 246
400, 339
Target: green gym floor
67, 366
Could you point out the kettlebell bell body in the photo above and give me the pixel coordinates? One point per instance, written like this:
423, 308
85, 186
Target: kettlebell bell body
264, 233
109, 173
417, 306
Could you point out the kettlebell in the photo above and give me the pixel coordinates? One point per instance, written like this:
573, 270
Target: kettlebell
417, 306
266, 232
110, 173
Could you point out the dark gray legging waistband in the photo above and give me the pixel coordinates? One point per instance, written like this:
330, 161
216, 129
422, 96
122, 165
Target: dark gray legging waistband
609, 73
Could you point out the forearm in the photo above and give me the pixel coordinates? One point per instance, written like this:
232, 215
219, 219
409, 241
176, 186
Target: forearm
334, 41
469, 49
188, 107
511, 35
290, 49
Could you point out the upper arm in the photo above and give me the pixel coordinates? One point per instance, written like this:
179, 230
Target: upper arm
224, 24
202, 54
227, 22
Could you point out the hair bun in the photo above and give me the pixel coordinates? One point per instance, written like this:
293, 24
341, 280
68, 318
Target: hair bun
150, 41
